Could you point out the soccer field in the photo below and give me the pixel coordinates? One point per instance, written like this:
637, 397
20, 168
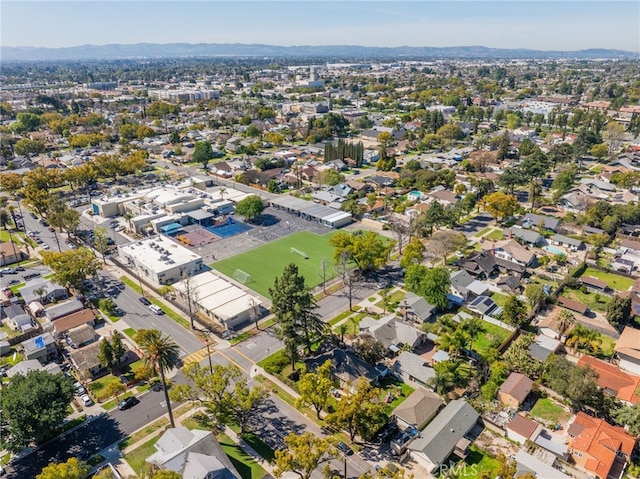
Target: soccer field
266, 262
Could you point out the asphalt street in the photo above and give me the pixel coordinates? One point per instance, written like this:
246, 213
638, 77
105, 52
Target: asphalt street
92, 437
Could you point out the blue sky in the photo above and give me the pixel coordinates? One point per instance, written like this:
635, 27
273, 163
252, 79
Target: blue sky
545, 25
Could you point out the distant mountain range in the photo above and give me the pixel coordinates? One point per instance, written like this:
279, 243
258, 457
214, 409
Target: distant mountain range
204, 50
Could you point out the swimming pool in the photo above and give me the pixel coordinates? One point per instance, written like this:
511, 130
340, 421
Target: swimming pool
554, 250
230, 229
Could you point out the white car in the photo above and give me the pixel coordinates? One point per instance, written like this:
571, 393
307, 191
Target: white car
45, 246
459, 254
156, 309
86, 400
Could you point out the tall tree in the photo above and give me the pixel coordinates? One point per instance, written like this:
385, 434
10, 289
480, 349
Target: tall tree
223, 391
33, 406
413, 253
430, 283
367, 250
359, 412
500, 205
71, 267
515, 311
619, 310
202, 153
303, 455
250, 207
162, 354
72, 469
292, 306
315, 388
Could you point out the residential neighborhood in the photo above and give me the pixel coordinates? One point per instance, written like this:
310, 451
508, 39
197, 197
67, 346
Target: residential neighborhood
258, 268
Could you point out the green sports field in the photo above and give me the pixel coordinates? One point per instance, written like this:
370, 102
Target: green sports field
266, 262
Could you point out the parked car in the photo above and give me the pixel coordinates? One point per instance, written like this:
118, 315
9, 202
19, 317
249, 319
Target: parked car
86, 400
45, 246
13, 281
80, 390
344, 449
29, 276
144, 301
156, 309
19, 268
7, 271
128, 402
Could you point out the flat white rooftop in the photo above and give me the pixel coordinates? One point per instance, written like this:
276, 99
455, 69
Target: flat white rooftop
158, 253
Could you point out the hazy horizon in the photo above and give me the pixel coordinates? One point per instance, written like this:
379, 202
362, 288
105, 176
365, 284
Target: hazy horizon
542, 25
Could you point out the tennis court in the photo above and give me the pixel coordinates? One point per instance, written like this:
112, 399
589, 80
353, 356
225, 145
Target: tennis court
232, 228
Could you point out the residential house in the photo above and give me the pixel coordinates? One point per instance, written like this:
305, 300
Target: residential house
534, 464
417, 309
477, 288
14, 316
532, 220
524, 236
62, 325
81, 336
572, 305
515, 390
221, 168
43, 348
61, 310
86, 360
485, 306
510, 284
418, 409
445, 197
460, 280
25, 367
412, 368
481, 265
613, 381
521, 429
393, 334
43, 291
627, 349
543, 347
346, 368
566, 242
576, 201
193, 454
11, 253
594, 285
359, 186
552, 326
598, 447
511, 251
445, 435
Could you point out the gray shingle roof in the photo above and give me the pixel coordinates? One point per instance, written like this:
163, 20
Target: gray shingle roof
440, 437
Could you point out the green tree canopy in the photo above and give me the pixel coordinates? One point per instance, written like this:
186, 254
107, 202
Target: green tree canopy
619, 310
250, 207
366, 249
292, 305
303, 455
202, 153
430, 283
72, 469
515, 311
71, 267
315, 388
33, 407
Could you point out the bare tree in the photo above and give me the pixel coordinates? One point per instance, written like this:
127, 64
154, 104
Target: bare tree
191, 297
444, 242
346, 272
401, 227
322, 272
255, 311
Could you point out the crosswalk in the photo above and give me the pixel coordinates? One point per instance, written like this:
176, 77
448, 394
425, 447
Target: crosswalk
195, 357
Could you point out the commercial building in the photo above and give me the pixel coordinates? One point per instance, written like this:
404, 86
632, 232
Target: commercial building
160, 261
218, 299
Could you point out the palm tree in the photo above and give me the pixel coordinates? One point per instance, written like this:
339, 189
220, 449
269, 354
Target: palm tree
565, 321
535, 190
584, 338
162, 354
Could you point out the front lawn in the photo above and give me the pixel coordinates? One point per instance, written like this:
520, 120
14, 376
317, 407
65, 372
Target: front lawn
615, 281
483, 232
137, 457
549, 411
246, 466
393, 300
495, 235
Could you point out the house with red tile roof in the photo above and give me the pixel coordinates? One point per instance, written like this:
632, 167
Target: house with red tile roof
599, 447
615, 382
